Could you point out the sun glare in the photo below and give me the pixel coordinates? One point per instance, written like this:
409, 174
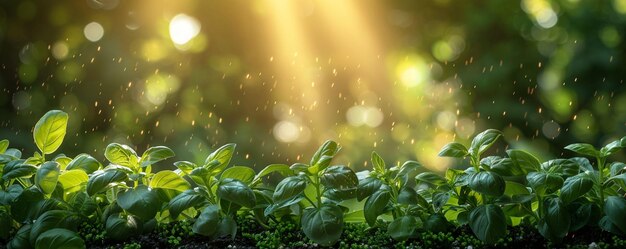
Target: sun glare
183, 28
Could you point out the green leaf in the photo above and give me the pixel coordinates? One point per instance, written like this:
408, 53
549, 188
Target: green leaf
167, 179
488, 183
4, 145
54, 219
102, 180
323, 225
73, 180
483, 141
524, 160
378, 162
430, 178
185, 166
606, 225
241, 173
220, 158
63, 161
282, 169
614, 209
367, 187
563, 167
122, 154
141, 202
576, 186
376, 204
288, 187
207, 222
183, 201
340, 178
121, 227
453, 149
611, 148
437, 223
59, 238
329, 149
408, 196
404, 227
502, 166
16, 169
584, 149
6, 222
50, 131
12, 192
155, 154
544, 183
83, 204
289, 191
30, 198
407, 168
237, 192
21, 238
556, 221
227, 226
47, 177
488, 223
84, 162
439, 200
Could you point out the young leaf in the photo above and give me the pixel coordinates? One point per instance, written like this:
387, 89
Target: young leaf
237, 192
84, 162
328, 149
167, 179
185, 166
488, 223
378, 162
407, 168
323, 225
288, 187
614, 209
282, 169
403, 228
155, 154
59, 238
121, 154
47, 177
375, 204
241, 173
220, 158
207, 222
50, 131
141, 201
611, 148
544, 183
575, 187
584, 149
454, 149
4, 145
430, 178
483, 141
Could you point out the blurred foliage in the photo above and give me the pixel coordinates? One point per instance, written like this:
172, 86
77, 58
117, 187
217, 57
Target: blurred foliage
279, 77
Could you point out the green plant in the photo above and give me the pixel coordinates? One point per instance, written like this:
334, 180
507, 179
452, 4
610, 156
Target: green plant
604, 186
477, 191
317, 188
219, 193
387, 191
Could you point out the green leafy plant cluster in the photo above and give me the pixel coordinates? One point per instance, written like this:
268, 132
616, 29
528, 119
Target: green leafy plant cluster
45, 198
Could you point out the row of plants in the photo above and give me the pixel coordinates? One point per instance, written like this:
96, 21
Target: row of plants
45, 198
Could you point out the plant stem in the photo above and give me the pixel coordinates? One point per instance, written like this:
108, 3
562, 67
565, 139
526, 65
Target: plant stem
318, 190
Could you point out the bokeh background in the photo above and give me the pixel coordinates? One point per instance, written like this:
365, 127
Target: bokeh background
279, 77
